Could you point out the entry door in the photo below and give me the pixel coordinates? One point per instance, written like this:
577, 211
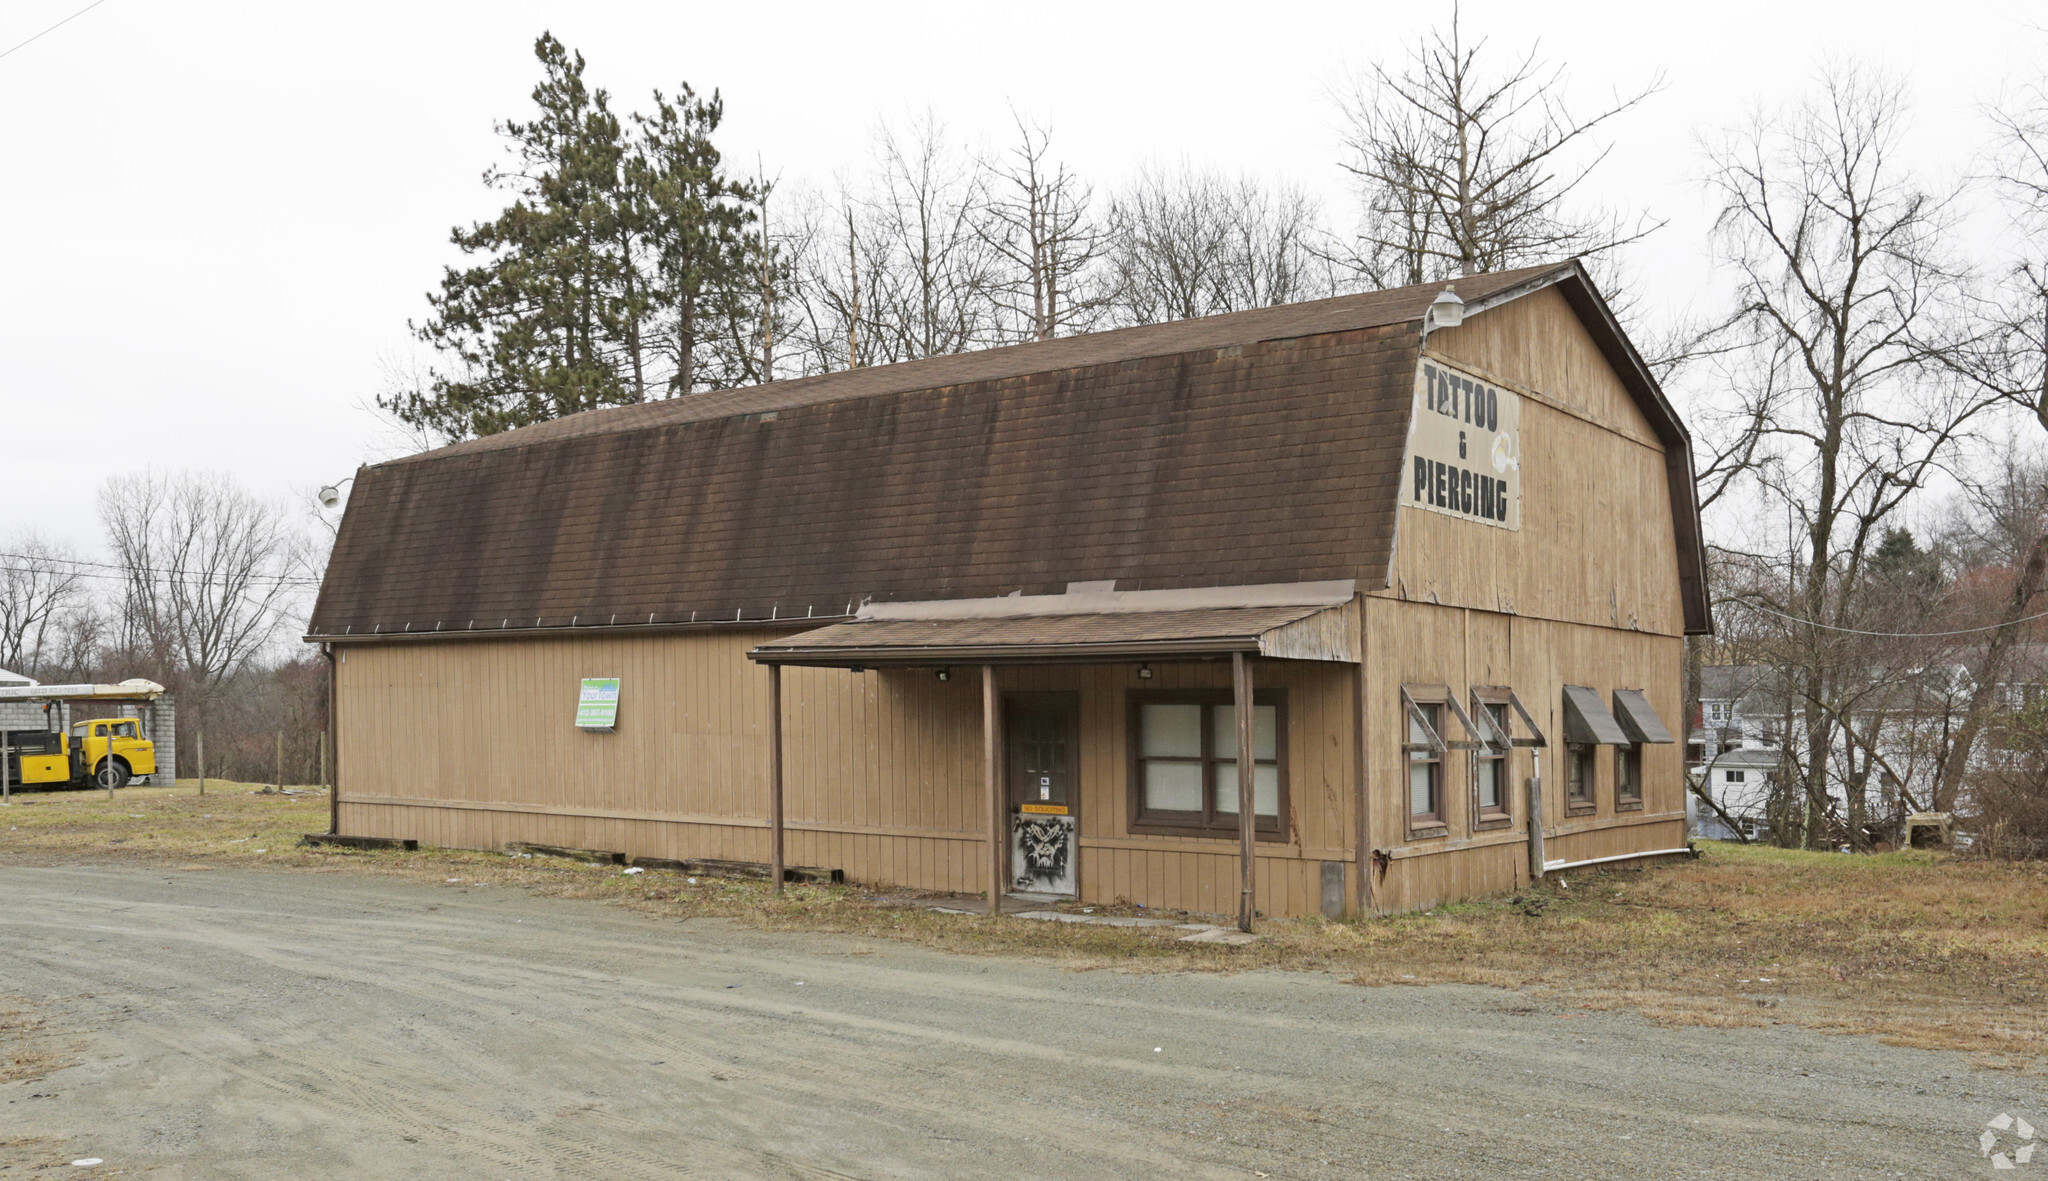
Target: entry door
1042, 732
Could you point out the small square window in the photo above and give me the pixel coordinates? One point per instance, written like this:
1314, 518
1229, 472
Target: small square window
1628, 777
1579, 778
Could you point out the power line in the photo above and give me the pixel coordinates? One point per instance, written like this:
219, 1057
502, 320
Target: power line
1851, 631
123, 572
60, 24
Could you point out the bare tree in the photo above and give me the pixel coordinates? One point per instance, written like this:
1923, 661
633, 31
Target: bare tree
1843, 280
1039, 222
1464, 167
2010, 361
42, 584
931, 269
838, 262
1186, 243
211, 574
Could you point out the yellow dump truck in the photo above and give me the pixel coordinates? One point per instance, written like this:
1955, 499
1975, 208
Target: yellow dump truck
104, 752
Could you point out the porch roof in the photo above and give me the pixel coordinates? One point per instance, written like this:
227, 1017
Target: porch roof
1300, 631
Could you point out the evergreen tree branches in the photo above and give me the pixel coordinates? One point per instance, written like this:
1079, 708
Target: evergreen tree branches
617, 273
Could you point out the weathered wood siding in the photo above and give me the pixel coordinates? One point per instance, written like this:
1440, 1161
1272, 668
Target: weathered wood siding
1421, 643
1597, 543
470, 744
1586, 593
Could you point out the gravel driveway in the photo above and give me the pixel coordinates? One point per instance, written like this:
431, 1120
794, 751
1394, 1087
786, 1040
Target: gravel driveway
238, 1023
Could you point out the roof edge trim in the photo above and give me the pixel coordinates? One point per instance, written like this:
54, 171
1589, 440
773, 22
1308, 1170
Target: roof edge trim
1091, 599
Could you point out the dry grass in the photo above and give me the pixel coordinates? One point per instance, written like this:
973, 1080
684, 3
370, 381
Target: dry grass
1914, 948
28, 1048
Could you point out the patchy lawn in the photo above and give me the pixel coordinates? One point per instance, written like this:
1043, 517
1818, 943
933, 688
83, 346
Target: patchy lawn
1914, 948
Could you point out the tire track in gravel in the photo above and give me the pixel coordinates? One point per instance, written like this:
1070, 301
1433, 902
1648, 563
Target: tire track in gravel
260, 1024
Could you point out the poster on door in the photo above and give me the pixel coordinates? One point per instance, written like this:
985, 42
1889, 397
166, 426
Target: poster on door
1042, 851
1464, 448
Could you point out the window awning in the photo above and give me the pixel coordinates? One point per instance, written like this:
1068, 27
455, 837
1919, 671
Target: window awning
1312, 632
1638, 719
1586, 719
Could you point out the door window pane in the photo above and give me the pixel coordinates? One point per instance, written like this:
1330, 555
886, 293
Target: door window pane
1171, 731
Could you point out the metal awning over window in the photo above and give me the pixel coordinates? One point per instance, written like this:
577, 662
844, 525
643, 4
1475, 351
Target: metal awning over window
1638, 720
1587, 722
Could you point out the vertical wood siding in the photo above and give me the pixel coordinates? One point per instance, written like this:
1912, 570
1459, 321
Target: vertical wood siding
472, 745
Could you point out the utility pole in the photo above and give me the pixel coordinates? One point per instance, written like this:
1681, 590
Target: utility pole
853, 284
202, 762
767, 283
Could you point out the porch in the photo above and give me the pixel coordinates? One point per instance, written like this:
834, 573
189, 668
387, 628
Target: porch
1110, 724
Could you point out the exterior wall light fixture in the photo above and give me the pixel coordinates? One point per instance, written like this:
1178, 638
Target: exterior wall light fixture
1448, 311
1144, 672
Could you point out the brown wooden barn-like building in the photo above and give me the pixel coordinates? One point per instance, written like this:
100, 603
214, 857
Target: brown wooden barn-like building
998, 613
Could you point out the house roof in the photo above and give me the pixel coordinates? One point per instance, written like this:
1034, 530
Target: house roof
1733, 682
1256, 447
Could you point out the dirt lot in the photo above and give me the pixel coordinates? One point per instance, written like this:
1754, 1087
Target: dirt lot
231, 1022
184, 993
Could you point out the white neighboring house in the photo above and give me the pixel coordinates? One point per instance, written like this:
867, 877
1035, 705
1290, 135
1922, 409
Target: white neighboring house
1734, 749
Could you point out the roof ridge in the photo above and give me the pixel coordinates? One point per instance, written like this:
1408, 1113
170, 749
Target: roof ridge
1338, 313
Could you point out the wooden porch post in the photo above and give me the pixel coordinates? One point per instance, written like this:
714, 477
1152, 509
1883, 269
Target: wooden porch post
775, 867
1247, 823
1363, 786
333, 729
991, 769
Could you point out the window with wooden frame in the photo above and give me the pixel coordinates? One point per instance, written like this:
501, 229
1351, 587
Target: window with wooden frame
1493, 763
1426, 752
1183, 775
1424, 709
1580, 779
1587, 727
1628, 778
1639, 722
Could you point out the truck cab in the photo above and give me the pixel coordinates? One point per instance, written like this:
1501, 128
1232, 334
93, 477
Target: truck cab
108, 752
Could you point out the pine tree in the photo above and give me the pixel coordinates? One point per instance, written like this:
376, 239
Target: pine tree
540, 328
692, 219
623, 270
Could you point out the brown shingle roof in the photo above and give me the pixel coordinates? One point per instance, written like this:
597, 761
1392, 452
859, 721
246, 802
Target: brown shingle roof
1257, 447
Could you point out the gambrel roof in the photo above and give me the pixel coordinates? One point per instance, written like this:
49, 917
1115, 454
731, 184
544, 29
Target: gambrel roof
1250, 448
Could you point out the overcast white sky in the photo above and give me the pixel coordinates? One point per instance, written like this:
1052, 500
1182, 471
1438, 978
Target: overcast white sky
218, 217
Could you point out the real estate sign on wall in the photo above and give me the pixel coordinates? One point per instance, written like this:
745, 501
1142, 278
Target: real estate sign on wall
1464, 448
597, 706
